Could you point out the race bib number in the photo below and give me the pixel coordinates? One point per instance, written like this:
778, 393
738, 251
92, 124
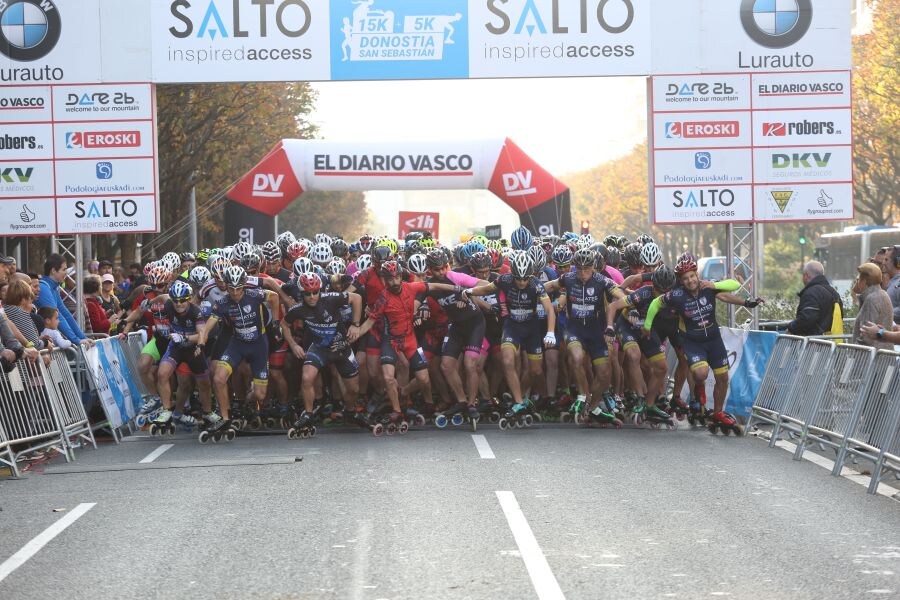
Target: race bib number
246, 334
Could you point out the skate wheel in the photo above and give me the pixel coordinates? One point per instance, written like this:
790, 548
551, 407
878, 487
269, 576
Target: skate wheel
565, 418
680, 416
517, 424
171, 431
618, 424
403, 428
153, 429
637, 419
230, 435
140, 420
255, 423
725, 429
502, 424
203, 437
578, 419
312, 431
528, 420
271, 423
292, 433
691, 420
654, 425
440, 421
304, 434
671, 426
377, 429
456, 420
712, 428
494, 417
538, 417
738, 430
391, 429
419, 421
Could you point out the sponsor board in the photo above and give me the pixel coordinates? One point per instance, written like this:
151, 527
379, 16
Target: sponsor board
106, 214
396, 39
26, 141
102, 102
830, 89
240, 40
524, 38
808, 127
29, 216
701, 92
104, 140
804, 164
409, 221
702, 167
24, 179
24, 104
109, 177
701, 130
804, 202
704, 204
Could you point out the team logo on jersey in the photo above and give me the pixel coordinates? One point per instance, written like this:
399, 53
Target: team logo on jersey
703, 301
589, 291
247, 309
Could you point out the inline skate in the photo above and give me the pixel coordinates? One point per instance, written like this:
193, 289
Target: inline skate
150, 409
697, 414
518, 415
391, 423
216, 429
164, 423
576, 410
456, 415
656, 417
724, 422
679, 408
304, 427
602, 417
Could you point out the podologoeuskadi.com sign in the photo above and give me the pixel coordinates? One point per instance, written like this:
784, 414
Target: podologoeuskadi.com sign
276, 40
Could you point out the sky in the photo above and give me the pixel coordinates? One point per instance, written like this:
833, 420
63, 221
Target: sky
566, 125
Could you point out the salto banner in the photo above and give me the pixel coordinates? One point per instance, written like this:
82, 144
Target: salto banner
171, 41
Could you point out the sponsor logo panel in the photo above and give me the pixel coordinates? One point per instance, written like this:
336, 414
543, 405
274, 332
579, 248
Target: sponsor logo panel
102, 140
801, 202
702, 167
801, 90
418, 221
105, 177
21, 179
701, 130
24, 104
102, 102
28, 141
709, 92
790, 128
826, 163
34, 216
704, 204
105, 214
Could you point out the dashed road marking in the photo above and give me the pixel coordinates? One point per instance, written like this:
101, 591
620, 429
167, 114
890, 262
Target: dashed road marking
156, 453
484, 449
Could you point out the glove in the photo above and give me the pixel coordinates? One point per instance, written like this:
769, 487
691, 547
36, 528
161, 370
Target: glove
753, 303
177, 339
339, 344
550, 339
277, 334
634, 317
610, 332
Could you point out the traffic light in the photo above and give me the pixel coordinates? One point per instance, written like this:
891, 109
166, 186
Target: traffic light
802, 237
585, 226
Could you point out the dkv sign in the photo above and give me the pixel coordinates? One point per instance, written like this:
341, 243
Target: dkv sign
418, 221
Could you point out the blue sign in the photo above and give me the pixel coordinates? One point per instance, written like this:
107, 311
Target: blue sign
396, 39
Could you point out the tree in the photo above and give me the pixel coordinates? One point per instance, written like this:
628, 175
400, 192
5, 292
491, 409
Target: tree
336, 213
876, 116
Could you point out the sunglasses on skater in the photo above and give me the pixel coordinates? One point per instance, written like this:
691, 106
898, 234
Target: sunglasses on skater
308, 294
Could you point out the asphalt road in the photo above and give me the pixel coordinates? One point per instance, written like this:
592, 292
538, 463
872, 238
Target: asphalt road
559, 512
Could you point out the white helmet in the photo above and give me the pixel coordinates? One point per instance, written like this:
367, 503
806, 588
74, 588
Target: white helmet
363, 262
323, 238
337, 266
321, 253
521, 265
242, 249
303, 265
418, 264
650, 254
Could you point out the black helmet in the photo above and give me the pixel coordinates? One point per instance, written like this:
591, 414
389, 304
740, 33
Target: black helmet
584, 258
613, 257
632, 254
480, 261
381, 254
663, 278
436, 258
339, 248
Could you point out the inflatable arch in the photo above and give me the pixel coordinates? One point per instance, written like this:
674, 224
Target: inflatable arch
294, 166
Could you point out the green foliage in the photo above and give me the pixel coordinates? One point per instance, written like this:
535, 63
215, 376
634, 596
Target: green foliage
341, 213
782, 266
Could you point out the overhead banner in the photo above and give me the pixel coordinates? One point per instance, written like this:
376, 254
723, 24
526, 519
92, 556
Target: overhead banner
769, 147
498, 165
180, 41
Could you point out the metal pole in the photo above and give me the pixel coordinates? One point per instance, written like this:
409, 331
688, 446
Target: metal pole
729, 266
79, 281
757, 275
193, 214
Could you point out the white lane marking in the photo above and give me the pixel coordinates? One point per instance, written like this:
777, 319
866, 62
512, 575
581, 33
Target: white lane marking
156, 453
542, 577
484, 449
31, 548
361, 555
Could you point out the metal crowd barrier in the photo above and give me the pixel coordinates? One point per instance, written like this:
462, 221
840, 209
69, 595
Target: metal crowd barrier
848, 384
807, 391
777, 380
6, 451
72, 414
873, 433
131, 347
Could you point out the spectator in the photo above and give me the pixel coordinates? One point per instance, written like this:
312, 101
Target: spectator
11, 349
819, 304
18, 309
51, 327
94, 267
892, 268
104, 267
72, 301
874, 305
108, 299
54, 273
100, 322
6, 263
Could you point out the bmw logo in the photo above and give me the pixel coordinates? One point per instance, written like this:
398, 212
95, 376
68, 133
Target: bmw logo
29, 29
776, 23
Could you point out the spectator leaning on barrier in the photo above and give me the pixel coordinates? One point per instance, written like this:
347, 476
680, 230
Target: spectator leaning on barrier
12, 350
18, 307
892, 268
7, 264
54, 274
874, 305
819, 304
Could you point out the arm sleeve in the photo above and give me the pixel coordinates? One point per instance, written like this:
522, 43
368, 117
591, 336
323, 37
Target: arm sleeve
49, 297
462, 279
727, 285
651, 312
58, 340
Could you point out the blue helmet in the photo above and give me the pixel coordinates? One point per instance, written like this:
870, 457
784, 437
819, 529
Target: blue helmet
521, 239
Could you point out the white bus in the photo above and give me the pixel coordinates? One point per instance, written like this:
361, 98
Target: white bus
842, 252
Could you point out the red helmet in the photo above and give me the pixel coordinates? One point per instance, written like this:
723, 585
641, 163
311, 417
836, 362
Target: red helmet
391, 268
297, 249
686, 263
309, 282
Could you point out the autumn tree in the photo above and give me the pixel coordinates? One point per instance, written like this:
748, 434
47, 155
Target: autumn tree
335, 213
876, 116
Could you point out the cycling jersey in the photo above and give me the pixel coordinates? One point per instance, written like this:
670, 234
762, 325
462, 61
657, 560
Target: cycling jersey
187, 323
324, 321
397, 335
521, 304
585, 302
245, 316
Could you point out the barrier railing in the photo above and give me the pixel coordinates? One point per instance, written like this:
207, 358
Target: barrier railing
777, 380
28, 411
816, 361
134, 343
848, 384
6, 456
72, 415
873, 433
